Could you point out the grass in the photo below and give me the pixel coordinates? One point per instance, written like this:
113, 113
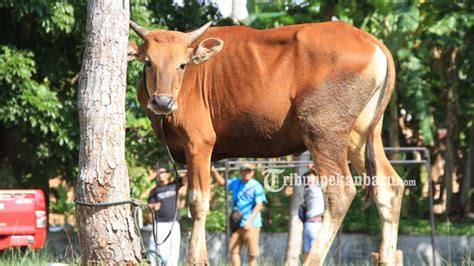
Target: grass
27, 257
422, 227
31, 257
24, 257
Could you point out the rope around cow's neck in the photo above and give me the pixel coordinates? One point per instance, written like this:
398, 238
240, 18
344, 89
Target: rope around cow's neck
170, 156
162, 132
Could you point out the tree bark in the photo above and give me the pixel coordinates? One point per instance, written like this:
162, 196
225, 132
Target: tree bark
468, 179
450, 78
328, 10
393, 127
295, 226
106, 234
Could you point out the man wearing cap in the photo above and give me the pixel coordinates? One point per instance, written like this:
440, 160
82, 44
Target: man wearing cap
248, 198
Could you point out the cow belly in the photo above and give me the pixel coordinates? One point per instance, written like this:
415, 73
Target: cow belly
254, 146
258, 150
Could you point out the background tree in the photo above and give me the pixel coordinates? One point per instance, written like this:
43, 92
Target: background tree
106, 234
295, 225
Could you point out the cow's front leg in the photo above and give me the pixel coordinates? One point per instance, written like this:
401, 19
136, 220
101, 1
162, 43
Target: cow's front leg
198, 162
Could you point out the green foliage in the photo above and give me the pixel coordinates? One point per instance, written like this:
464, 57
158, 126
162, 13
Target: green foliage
191, 15
276, 214
273, 14
8, 179
40, 51
61, 18
32, 108
359, 221
62, 205
216, 218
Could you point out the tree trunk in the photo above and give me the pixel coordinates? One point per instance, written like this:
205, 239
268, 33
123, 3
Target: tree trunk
468, 179
450, 78
393, 127
295, 226
328, 10
393, 112
106, 234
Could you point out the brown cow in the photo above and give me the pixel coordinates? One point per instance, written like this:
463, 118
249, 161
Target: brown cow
268, 93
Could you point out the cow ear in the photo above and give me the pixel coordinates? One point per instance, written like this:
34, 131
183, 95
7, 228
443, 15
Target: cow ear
132, 51
206, 50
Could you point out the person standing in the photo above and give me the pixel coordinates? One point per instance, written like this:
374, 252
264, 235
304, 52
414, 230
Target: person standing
248, 198
314, 211
163, 200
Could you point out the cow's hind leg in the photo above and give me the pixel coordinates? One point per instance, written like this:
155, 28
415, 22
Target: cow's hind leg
387, 191
329, 152
198, 162
339, 191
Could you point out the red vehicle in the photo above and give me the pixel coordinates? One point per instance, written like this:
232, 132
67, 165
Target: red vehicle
23, 219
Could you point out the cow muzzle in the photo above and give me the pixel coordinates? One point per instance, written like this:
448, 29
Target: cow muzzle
162, 104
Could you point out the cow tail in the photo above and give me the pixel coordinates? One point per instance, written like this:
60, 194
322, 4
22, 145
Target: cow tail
370, 162
370, 168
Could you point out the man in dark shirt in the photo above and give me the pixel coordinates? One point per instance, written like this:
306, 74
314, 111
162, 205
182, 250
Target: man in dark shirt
162, 199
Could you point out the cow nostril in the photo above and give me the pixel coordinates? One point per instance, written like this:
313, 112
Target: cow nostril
165, 100
154, 102
162, 101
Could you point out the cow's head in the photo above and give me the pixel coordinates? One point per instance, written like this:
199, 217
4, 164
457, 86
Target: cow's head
166, 54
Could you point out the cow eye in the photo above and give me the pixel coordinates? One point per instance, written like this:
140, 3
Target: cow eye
182, 66
147, 63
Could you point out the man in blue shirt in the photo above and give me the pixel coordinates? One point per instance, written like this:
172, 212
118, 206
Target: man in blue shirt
248, 197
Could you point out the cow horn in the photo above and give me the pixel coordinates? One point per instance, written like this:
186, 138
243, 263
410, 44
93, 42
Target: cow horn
194, 35
142, 32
